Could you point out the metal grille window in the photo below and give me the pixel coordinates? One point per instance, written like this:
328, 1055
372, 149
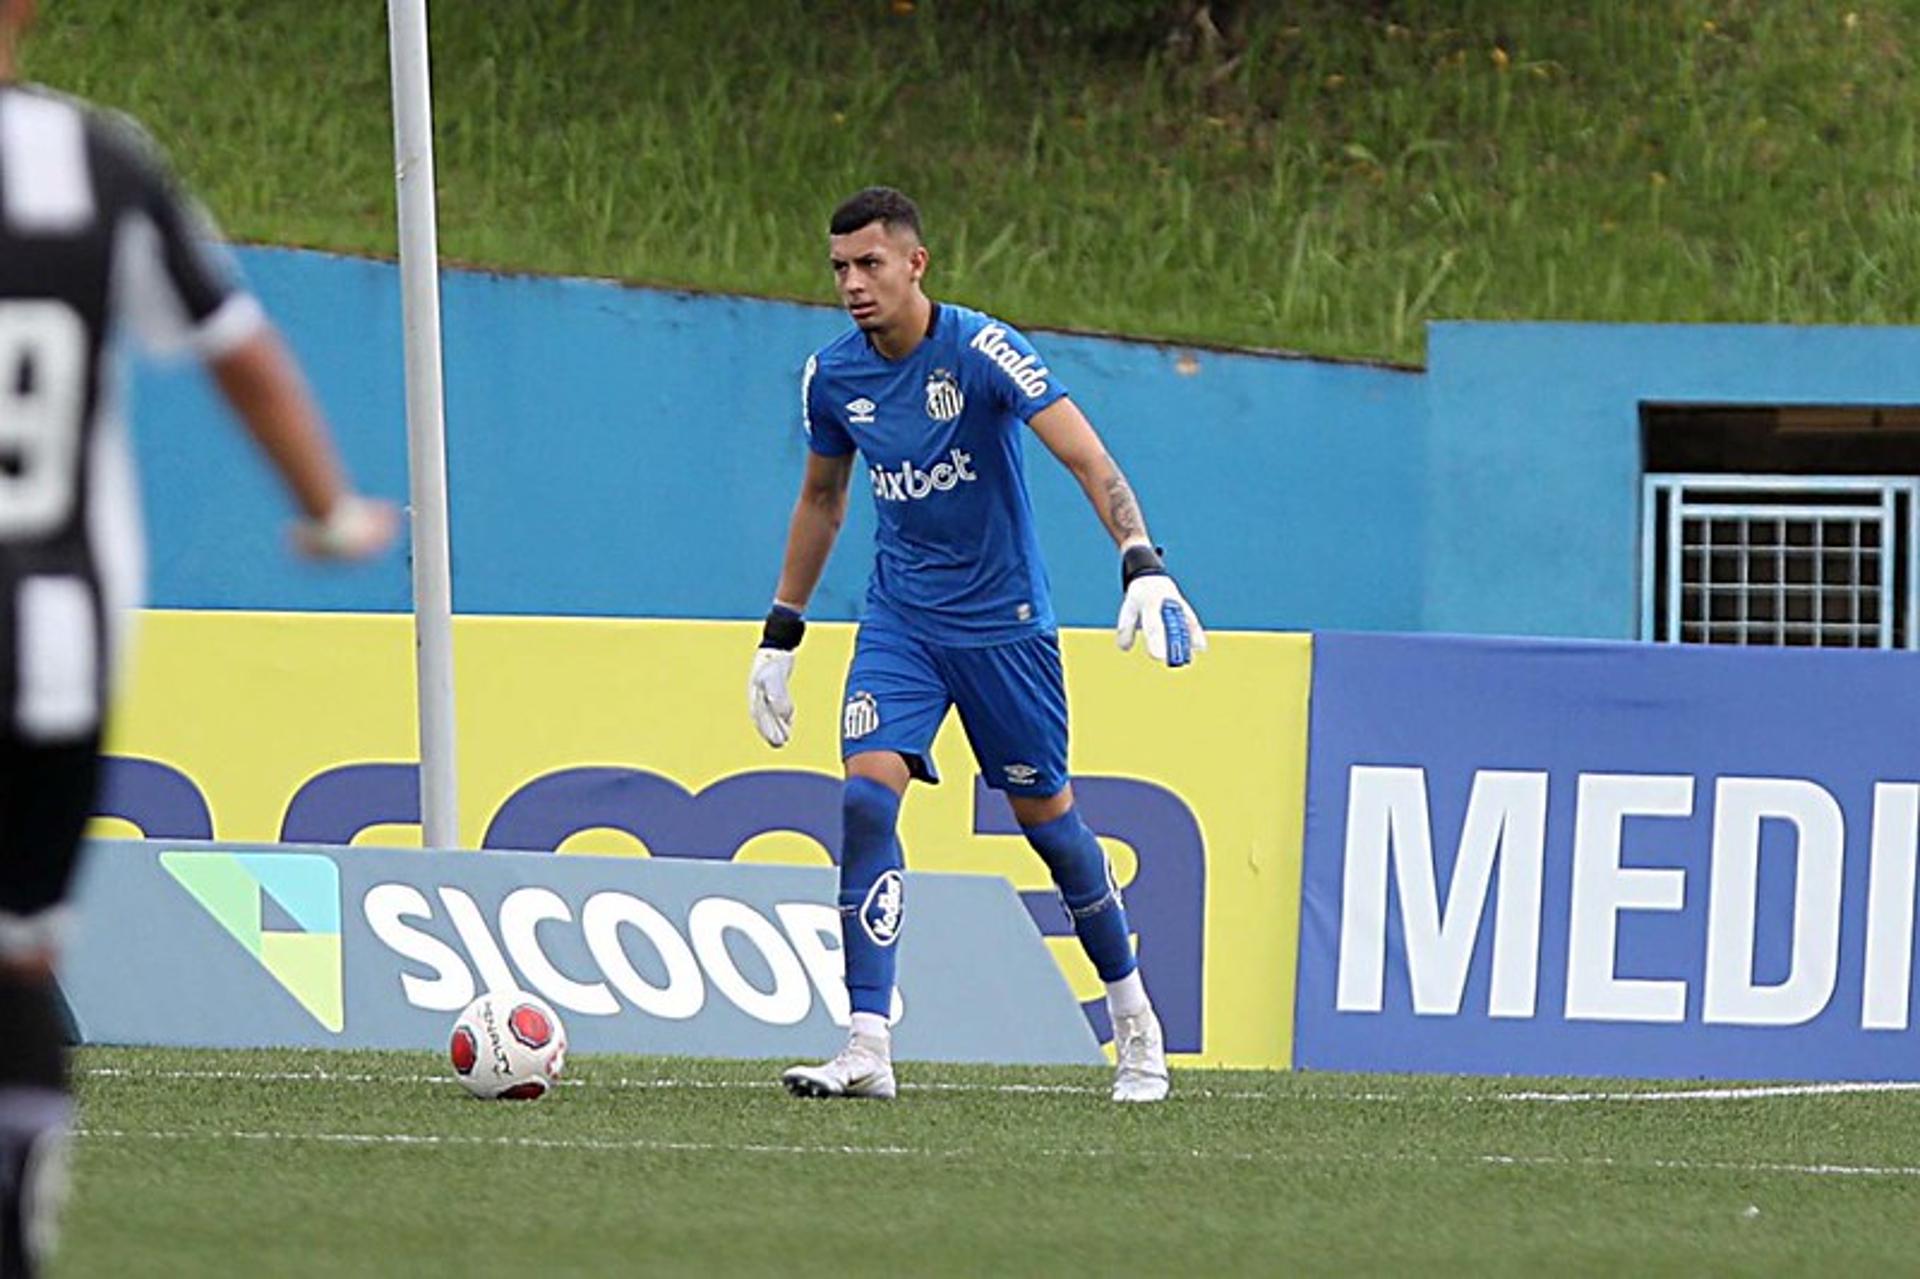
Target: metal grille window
1800, 560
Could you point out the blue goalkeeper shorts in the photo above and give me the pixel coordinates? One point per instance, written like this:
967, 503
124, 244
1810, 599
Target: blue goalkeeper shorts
1012, 700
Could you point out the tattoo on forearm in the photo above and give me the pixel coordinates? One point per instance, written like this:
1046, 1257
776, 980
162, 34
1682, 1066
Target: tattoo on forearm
1123, 512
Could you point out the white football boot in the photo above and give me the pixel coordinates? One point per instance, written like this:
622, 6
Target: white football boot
864, 1068
1141, 1074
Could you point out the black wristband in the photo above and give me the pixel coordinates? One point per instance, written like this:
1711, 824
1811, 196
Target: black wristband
783, 630
1140, 561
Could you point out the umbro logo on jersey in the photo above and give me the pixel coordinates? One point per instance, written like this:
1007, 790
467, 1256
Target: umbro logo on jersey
1026, 371
908, 483
1022, 774
862, 716
944, 400
860, 411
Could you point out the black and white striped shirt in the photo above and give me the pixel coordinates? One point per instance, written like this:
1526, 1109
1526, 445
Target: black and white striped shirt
95, 242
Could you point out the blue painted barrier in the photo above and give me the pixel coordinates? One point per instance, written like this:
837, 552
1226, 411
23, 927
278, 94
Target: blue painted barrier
364, 948
1540, 857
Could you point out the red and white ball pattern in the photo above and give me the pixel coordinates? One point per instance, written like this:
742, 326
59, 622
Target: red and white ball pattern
508, 1046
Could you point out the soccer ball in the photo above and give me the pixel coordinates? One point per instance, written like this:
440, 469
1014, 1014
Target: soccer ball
508, 1046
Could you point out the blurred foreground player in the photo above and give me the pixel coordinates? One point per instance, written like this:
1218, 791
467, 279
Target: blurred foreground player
96, 241
959, 614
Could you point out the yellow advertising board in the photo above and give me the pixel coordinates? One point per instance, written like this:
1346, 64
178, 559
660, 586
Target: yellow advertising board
616, 737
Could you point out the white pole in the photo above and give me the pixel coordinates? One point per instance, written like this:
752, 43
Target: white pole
426, 420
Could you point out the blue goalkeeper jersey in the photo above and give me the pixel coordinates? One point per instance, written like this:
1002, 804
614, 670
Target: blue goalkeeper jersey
956, 561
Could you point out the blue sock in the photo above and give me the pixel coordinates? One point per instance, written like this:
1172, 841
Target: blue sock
1079, 867
871, 899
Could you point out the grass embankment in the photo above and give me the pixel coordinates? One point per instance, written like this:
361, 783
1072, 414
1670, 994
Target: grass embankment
1350, 177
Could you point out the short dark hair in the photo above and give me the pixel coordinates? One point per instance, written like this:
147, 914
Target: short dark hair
875, 204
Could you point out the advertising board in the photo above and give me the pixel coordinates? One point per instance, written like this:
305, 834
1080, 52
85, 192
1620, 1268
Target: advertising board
241, 946
631, 738
1596, 858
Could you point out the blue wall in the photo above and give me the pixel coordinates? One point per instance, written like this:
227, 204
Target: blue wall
622, 451
216, 519
617, 451
1534, 476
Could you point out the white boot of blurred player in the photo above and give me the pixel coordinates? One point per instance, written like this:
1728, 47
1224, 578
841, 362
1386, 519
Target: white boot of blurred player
864, 1068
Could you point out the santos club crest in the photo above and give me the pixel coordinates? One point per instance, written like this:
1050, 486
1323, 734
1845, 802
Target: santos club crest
944, 400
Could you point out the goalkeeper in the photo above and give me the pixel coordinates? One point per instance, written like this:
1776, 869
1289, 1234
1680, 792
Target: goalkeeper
959, 614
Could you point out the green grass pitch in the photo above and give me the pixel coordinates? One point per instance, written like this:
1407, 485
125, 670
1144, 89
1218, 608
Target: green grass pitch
298, 1163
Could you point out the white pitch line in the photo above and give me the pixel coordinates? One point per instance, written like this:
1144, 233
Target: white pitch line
620, 1081
1731, 1093
430, 1140
532, 1143
1738, 1093
1691, 1165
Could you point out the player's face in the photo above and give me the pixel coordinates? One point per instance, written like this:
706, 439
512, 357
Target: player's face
877, 272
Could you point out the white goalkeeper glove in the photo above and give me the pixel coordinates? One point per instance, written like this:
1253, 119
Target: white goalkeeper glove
1153, 604
768, 700
356, 528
